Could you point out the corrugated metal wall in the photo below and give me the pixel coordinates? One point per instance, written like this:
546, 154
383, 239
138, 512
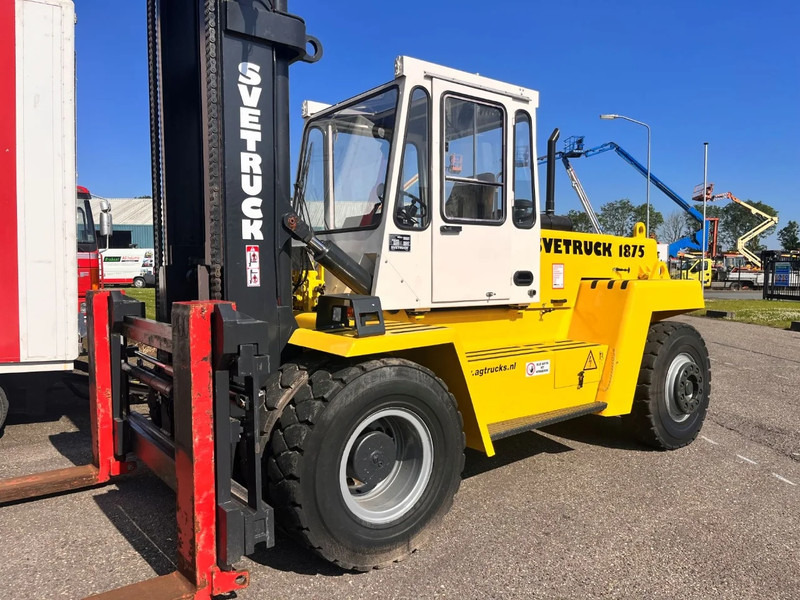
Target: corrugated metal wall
141, 235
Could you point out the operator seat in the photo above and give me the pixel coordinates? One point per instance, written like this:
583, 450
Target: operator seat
472, 200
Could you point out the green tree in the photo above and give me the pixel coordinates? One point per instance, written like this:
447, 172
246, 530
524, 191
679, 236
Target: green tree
619, 217
640, 216
580, 221
789, 236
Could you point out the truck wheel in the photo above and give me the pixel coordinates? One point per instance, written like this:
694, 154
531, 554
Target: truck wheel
674, 384
735, 286
138, 282
3, 409
364, 459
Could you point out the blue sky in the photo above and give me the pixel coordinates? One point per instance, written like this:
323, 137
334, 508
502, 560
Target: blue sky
725, 72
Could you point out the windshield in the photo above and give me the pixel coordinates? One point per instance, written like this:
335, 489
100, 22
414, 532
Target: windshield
342, 174
85, 233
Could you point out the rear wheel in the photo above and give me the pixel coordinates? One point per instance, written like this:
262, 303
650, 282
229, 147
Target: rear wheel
365, 459
673, 389
138, 282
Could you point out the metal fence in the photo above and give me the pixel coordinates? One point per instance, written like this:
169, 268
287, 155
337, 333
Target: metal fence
781, 275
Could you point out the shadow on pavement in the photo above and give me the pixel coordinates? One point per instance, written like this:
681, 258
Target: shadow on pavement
289, 556
609, 432
142, 509
46, 397
511, 450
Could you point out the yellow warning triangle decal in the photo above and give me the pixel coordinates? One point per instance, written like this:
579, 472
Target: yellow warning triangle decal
590, 362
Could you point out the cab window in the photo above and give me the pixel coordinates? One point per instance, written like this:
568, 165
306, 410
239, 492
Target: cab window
411, 208
342, 176
473, 162
524, 213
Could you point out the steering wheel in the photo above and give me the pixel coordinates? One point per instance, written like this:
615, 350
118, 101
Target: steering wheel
414, 212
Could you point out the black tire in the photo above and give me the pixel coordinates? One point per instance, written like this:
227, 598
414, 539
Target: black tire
735, 286
672, 393
138, 282
373, 409
3, 409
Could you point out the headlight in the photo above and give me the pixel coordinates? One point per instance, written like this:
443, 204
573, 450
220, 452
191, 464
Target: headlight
83, 308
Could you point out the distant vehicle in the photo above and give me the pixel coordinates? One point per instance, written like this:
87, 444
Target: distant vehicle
128, 267
690, 269
745, 279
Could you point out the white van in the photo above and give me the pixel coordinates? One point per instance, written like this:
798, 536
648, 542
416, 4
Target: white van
130, 266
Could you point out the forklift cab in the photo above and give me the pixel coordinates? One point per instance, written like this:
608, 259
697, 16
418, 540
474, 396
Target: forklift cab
429, 183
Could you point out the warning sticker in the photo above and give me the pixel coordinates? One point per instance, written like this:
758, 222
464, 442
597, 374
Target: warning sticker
590, 362
539, 367
558, 276
252, 260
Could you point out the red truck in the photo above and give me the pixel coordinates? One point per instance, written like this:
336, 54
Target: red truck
89, 266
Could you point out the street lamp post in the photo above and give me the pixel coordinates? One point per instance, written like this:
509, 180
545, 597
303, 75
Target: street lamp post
610, 117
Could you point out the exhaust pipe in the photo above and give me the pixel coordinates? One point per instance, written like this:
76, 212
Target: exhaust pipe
550, 202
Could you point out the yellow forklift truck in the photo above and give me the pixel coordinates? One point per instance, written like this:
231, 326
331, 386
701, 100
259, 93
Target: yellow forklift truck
457, 310
454, 311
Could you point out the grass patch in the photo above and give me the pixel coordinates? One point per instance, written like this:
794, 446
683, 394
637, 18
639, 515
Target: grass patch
772, 313
146, 295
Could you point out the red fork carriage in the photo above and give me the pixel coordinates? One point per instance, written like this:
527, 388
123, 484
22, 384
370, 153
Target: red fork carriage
218, 519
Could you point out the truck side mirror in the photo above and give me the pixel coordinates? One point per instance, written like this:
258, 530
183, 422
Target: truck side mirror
106, 226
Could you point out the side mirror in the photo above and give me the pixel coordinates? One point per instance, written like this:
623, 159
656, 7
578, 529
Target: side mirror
106, 226
105, 205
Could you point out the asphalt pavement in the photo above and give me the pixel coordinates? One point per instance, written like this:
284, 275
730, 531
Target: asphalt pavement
576, 510
726, 294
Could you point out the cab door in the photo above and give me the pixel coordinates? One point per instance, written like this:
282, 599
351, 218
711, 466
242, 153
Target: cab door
471, 226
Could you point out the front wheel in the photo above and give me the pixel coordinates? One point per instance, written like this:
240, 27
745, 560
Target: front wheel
138, 282
673, 390
365, 460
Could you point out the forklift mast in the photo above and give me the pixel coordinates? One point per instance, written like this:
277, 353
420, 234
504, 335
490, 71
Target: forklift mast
219, 97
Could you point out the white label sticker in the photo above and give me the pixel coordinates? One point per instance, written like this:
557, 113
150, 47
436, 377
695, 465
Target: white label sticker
558, 276
253, 258
253, 277
539, 367
253, 265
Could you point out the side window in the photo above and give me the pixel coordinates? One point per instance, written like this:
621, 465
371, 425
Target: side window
473, 161
524, 208
312, 177
411, 208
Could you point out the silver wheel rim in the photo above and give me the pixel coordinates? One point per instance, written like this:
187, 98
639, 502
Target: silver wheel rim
675, 413
403, 486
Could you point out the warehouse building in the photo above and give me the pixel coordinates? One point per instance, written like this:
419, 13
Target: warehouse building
133, 222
